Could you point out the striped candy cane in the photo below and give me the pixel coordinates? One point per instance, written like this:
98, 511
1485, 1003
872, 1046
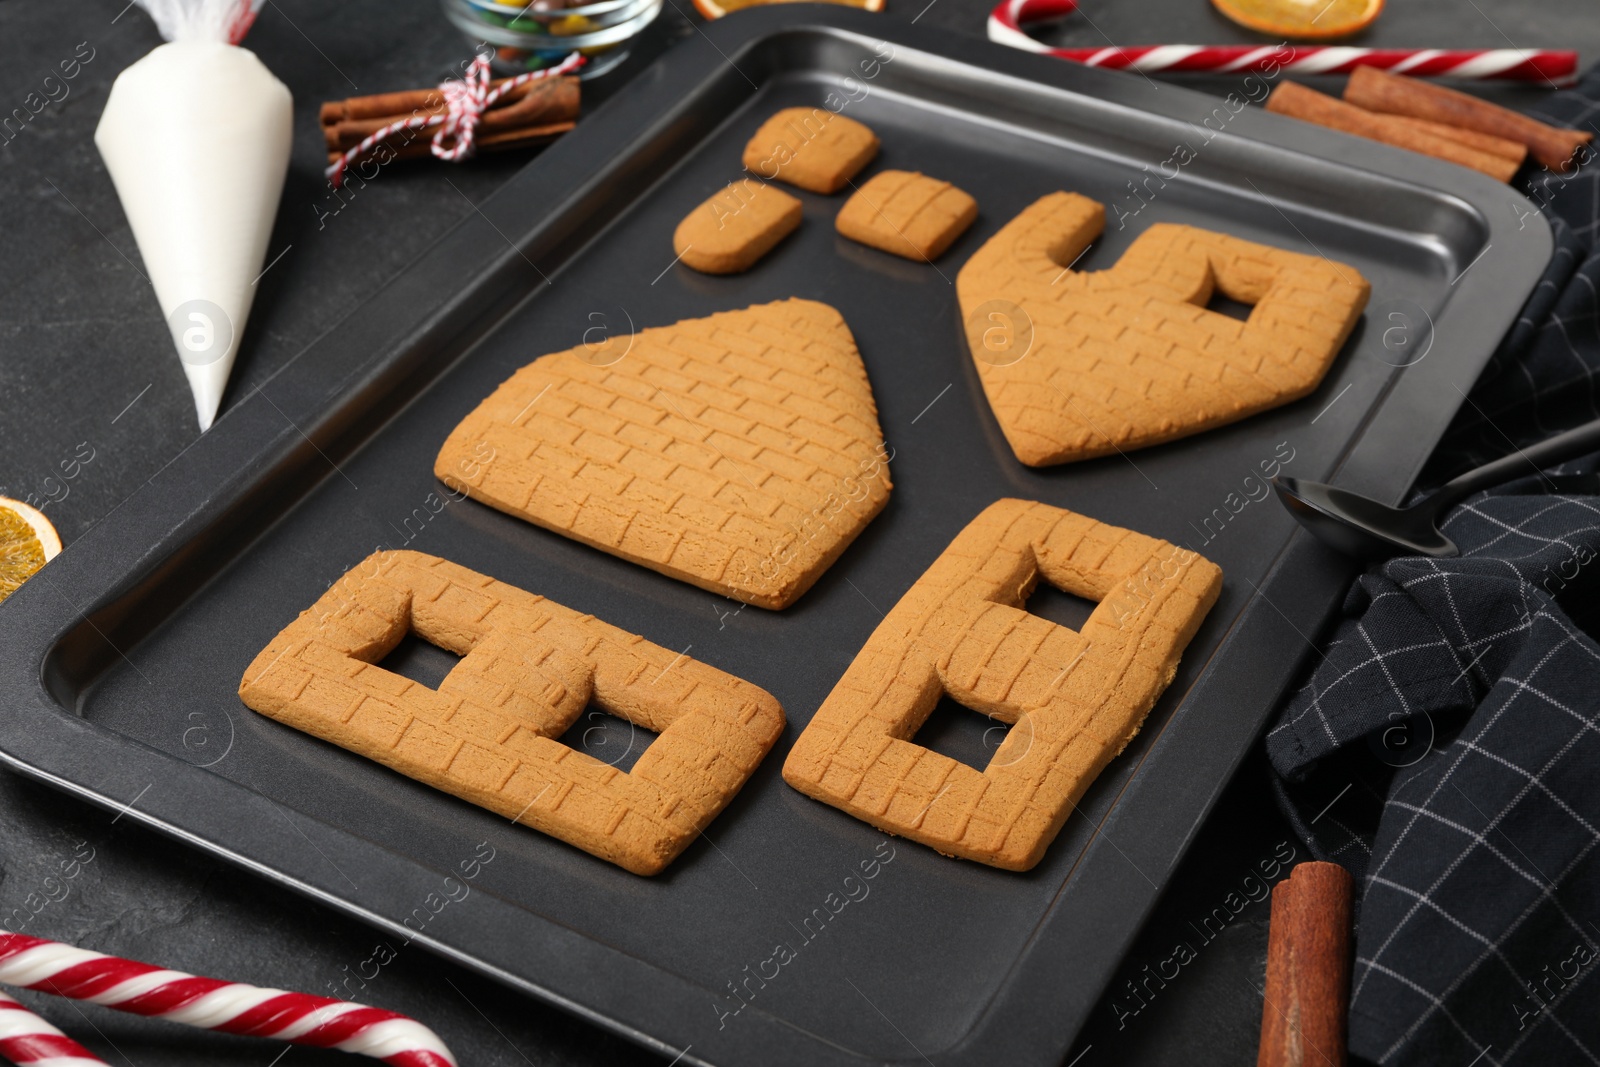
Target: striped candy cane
27, 1039
231, 1007
1006, 24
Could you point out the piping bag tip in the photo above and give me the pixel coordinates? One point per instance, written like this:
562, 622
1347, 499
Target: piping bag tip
203, 233
207, 382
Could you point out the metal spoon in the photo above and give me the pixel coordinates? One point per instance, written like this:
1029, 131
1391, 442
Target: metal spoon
1361, 527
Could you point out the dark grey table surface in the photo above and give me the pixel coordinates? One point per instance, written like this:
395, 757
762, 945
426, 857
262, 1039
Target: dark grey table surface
86, 366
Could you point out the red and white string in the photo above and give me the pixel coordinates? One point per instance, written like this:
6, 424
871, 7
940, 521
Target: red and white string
242, 18
465, 101
1007, 22
207, 1003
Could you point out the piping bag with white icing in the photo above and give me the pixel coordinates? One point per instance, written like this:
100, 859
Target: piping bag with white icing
196, 136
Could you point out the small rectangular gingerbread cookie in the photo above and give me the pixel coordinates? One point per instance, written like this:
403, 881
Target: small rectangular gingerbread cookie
810, 147
908, 214
736, 227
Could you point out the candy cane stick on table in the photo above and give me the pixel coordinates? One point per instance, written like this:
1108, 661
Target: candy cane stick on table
1006, 24
27, 1039
231, 1007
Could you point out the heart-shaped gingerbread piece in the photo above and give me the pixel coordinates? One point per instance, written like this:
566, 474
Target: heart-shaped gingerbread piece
1078, 365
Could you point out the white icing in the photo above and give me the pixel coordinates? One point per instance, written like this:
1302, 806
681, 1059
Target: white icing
196, 136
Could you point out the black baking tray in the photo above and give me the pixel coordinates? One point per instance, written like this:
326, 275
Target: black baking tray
122, 658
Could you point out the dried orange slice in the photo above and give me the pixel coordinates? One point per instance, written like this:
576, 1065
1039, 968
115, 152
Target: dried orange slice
27, 542
1302, 19
715, 9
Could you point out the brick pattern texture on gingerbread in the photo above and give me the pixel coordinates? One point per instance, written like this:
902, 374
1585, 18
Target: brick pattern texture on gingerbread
489, 733
1075, 698
739, 452
1130, 356
907, 214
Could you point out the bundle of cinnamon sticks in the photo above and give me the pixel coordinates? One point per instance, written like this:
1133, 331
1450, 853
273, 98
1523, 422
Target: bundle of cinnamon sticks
1433, 120
528, 114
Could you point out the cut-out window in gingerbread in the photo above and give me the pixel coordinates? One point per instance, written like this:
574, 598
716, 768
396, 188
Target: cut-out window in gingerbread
1075, 697
1077, 365
489, 733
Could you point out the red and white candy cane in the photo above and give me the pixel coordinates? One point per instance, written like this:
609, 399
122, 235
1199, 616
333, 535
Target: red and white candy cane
1006, 24
465, 100
230, 1007
27, 1039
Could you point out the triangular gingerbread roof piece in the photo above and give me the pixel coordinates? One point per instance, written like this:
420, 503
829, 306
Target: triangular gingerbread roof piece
739, 452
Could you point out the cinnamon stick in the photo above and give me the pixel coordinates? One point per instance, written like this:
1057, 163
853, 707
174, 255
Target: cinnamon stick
494, 142
1298, 102
1304, 1015
379, 105
1515, 151
544, 103
1395, 94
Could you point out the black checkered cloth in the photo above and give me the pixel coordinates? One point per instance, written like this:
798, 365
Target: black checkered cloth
1446, 747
